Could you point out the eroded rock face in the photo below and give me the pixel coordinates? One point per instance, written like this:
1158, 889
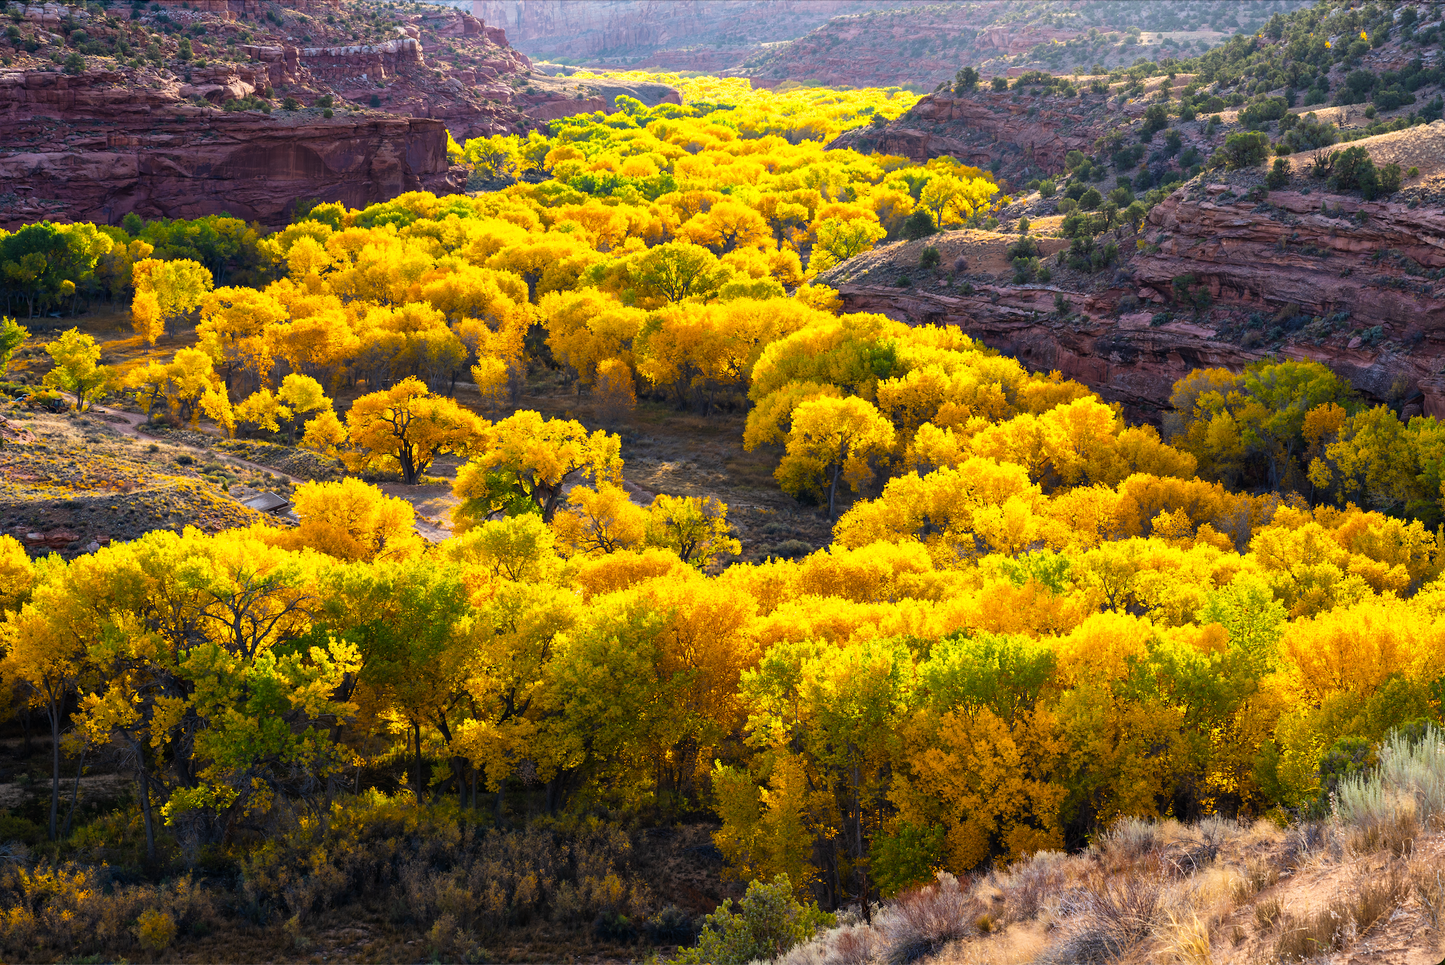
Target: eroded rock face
1368, 258
1030, 132
1124, 359
96, 147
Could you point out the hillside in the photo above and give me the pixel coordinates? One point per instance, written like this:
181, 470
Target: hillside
920, 45
1305, 268
701, 35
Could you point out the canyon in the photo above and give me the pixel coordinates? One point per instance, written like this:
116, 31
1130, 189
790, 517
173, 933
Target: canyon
367, 113
676, 34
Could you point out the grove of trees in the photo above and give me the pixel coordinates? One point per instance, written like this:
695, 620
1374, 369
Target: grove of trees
1033, 619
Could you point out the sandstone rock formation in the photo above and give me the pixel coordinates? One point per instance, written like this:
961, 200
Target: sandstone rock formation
96, 147
1125, 359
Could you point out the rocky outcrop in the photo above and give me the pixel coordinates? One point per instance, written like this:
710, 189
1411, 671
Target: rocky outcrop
1023, 132
1373, 259
98, 146
367, 61
1127, 357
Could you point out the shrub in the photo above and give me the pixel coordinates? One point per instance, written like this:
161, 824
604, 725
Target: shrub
1047, 188
930, 258
74, 63
1262, 110
375, 100
1110, 920
1187, 290
1091, 199
1000, 84
155, 930
1278, 175
965, 80
1244, 149
1410, 778
1156, 118
1390, 178
291, 104
768, 922
919, 224
1067, 205
1353, 170
1025, 247
670, 926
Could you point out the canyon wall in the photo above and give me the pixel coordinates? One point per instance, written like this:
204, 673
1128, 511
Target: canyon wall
97, 146
567, 29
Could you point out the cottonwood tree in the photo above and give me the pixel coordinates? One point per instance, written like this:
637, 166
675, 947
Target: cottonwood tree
404, 428
524, 462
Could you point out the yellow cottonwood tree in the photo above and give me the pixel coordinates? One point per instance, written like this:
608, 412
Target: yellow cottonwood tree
833, 439
404, 428
523, 463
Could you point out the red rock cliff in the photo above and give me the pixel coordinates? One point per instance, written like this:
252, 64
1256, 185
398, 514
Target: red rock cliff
98, 146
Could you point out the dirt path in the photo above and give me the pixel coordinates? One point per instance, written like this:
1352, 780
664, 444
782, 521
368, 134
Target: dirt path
129, 425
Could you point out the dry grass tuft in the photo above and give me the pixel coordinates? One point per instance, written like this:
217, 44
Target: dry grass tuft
1266, 913
1344, 919
1109, 919
1186, 938
921, 921
1428, 880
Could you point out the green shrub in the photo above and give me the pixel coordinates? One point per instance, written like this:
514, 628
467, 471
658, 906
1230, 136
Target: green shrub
1091, 199
1047, 188
1278, 175
1000, 84
1025, 247
930, 258
919, 224
1353, 170
1262, 110
1244, 149
768, 922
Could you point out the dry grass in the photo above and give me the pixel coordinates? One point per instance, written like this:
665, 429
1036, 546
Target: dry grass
1428, 880
923, 920
1110, 918
1343, 920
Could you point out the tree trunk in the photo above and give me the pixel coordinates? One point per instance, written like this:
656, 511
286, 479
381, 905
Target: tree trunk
145, 807
833, 487
75, 791
420, 782
55, 709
